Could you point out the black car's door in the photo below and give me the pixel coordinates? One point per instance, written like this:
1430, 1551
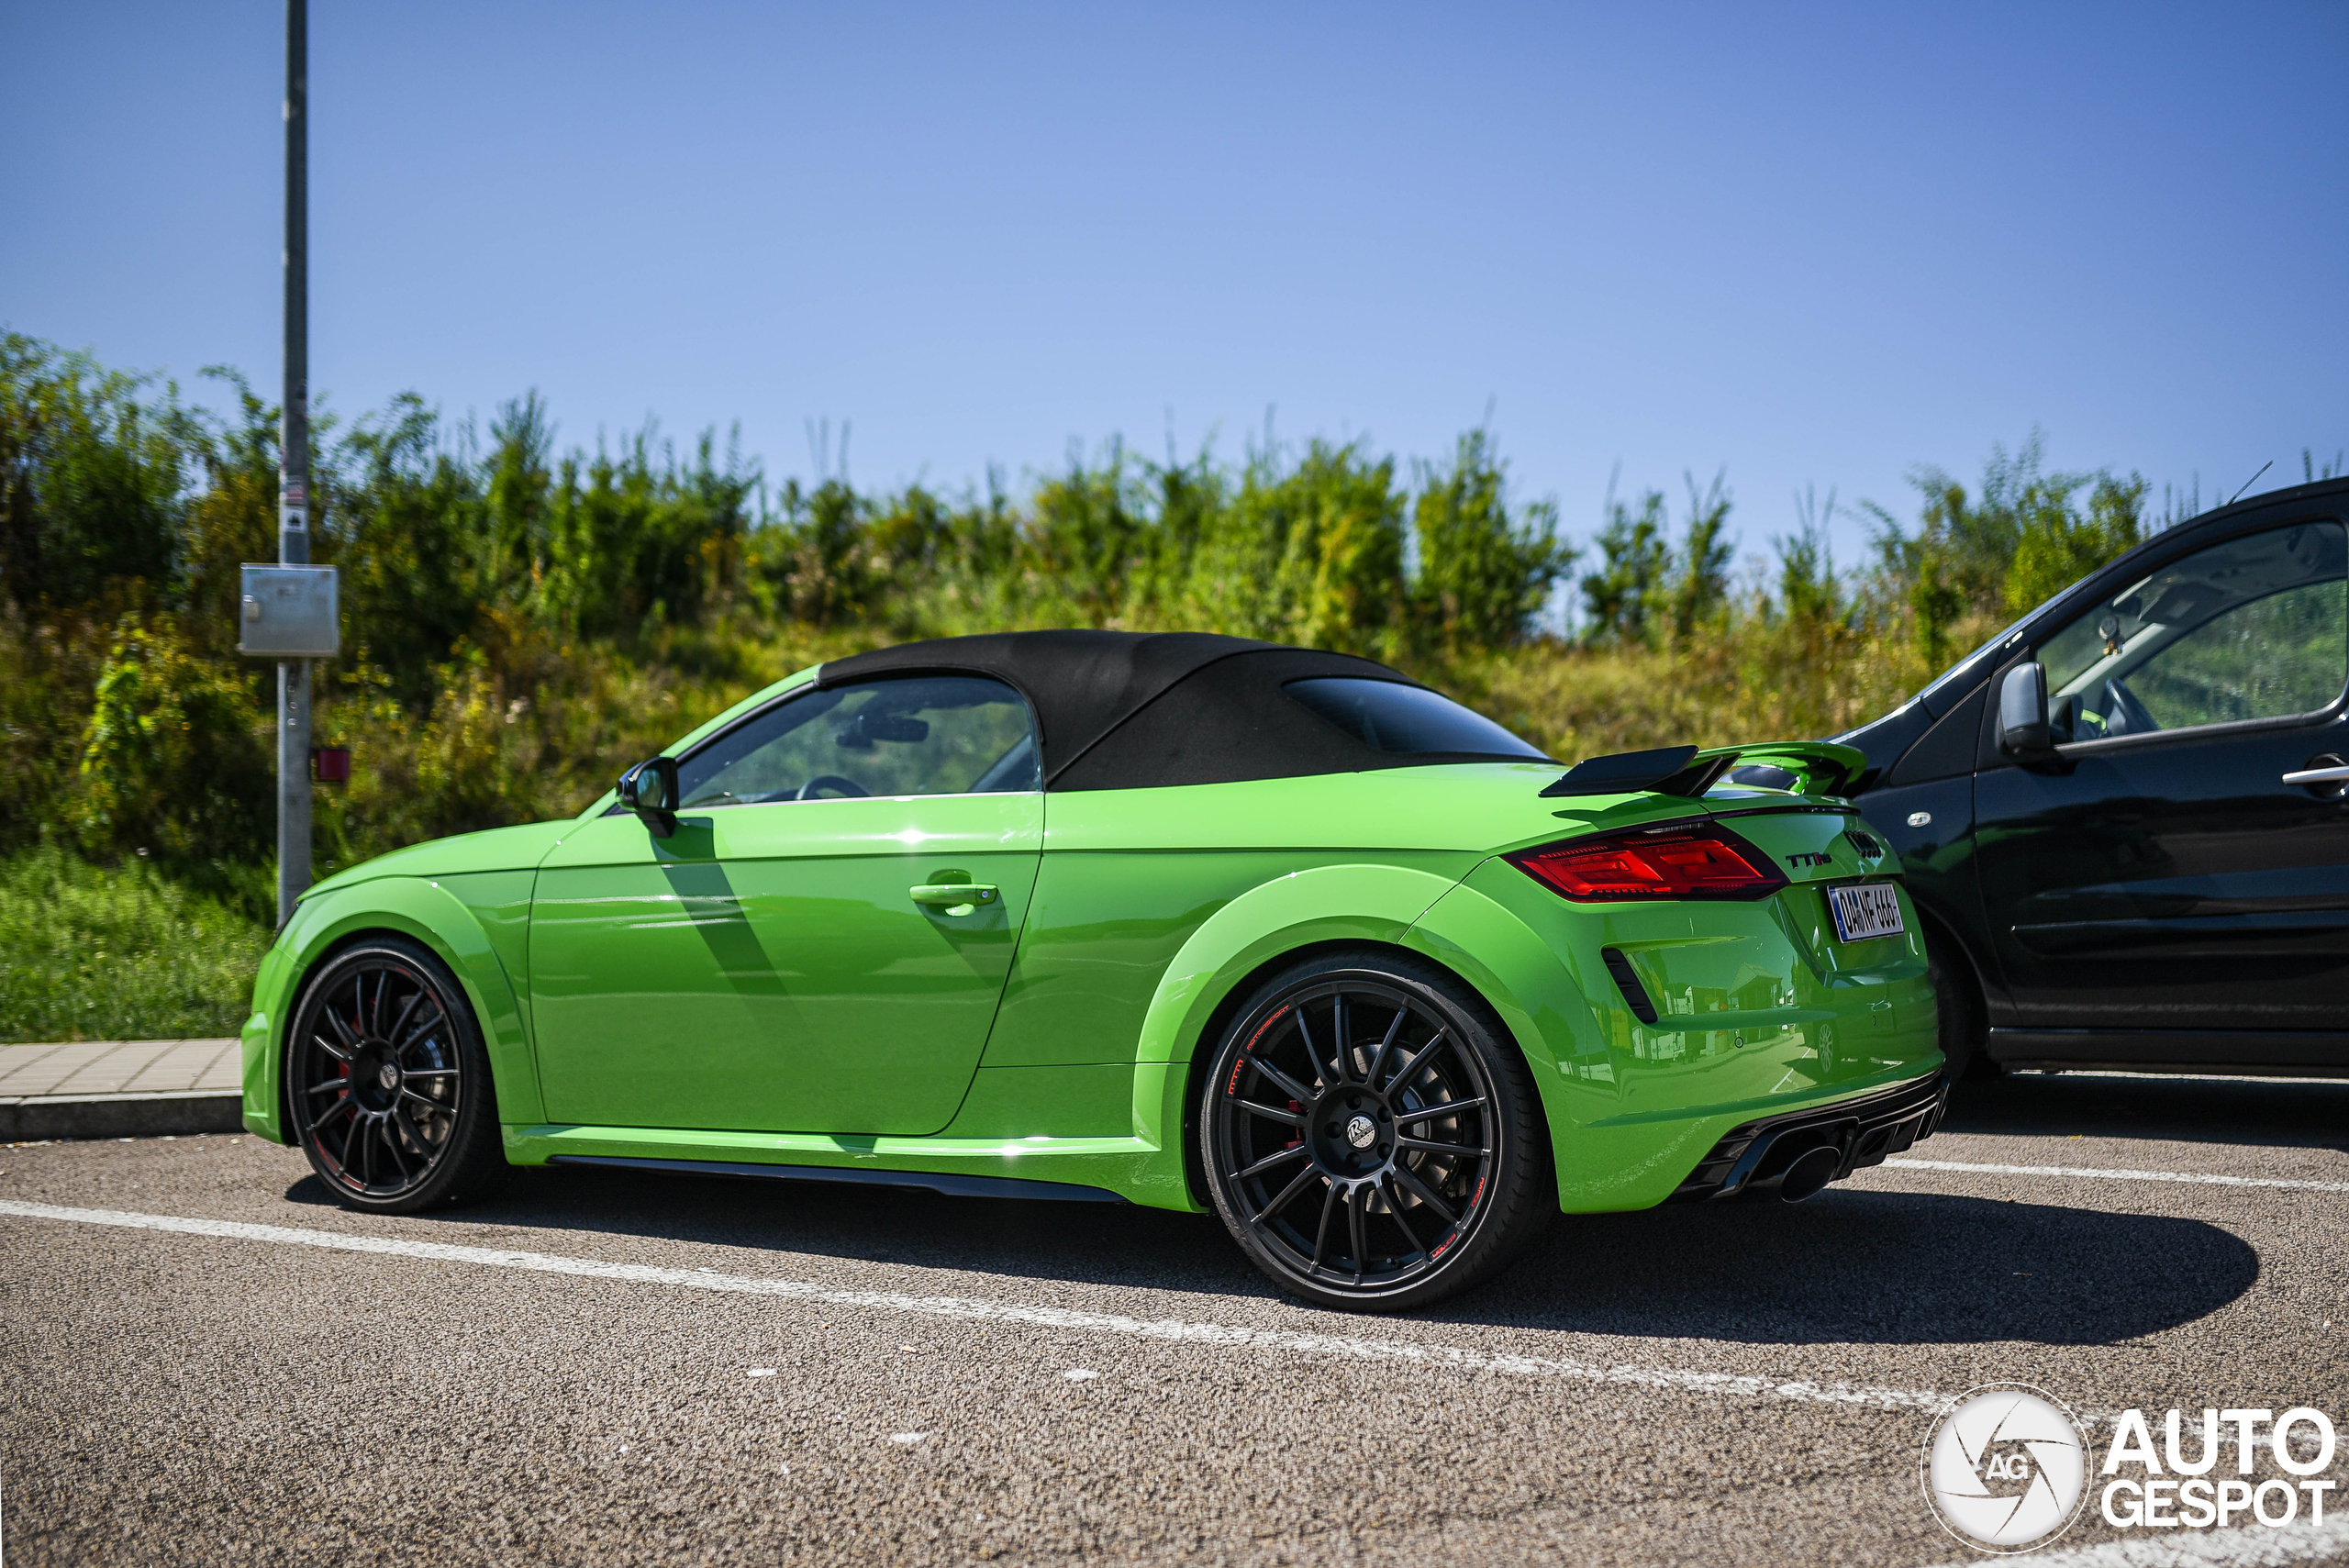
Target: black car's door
2164, 874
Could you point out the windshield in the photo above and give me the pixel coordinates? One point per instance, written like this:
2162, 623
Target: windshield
1964, 668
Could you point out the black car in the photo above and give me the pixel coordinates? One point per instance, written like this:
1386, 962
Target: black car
2123, 820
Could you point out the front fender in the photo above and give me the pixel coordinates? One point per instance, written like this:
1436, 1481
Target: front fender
460, 923
1307, 909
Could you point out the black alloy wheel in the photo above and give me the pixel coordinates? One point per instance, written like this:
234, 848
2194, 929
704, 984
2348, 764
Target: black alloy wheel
388, 1085
1370, 1139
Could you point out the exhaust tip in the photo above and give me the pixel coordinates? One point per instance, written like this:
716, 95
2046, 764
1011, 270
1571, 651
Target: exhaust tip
1811, 1171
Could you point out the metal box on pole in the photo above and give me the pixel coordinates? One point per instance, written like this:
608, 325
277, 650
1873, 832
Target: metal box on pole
289, 612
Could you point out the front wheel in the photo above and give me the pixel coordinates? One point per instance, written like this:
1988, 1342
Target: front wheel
1370, 1138
388, 1083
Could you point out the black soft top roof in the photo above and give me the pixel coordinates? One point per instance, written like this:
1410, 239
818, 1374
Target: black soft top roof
1125, 710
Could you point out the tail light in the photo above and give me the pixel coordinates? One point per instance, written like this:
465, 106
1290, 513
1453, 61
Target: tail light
1688, 861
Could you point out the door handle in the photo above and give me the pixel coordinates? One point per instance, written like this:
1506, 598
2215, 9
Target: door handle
953, 895
2338, 774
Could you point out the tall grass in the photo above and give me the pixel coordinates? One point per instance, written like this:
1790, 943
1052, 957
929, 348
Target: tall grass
121, 952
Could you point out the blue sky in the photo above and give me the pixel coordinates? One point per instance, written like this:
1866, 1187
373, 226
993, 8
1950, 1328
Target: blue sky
1817, 246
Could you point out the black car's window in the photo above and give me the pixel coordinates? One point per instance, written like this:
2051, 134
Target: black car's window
2256, 628
1388, 715
914, 734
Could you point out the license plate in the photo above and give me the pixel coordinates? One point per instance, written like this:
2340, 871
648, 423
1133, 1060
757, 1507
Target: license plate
1866, 909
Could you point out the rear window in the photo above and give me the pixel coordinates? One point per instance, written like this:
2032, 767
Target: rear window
1388, 715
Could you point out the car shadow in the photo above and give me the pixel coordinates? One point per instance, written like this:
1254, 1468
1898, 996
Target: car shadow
1855, 1266
1087, 1243
2302, 1114
1850, 1267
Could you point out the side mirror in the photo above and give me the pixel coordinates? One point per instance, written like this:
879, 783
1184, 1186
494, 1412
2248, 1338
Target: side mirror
2023, 733
650, 789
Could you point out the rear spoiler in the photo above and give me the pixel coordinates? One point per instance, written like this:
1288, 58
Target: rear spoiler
1816, 767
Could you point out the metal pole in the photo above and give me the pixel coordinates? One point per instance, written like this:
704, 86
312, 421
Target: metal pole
294, 470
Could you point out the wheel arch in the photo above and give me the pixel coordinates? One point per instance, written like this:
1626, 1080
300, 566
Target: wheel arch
420, 911
1235, 996
1939, 925
1269, 928
1545, 1005
1313, 909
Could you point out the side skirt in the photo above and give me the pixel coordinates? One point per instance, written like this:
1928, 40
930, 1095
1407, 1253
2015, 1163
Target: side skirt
2310, 1053
930, 1181
1086, 1169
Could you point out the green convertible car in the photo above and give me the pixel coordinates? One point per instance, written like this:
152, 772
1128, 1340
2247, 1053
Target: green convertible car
1178, 919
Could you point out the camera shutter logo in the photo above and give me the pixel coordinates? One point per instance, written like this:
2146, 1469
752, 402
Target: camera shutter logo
2007, 1468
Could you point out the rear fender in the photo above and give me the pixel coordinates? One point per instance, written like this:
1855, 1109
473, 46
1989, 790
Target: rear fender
1766, 1012
1527, 983
408, 907
1307, 909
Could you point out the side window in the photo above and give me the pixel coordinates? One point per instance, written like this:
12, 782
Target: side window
2257, 627
915, 735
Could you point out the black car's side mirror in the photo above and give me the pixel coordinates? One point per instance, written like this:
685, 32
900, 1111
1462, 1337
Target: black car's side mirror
2023, 732
650, 789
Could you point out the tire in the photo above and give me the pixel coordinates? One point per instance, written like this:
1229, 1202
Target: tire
1328, 1166
387, 1085
1958, 1005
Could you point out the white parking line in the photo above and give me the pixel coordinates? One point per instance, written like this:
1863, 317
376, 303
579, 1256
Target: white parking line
971, 1309
2245, 1546
2195, 1177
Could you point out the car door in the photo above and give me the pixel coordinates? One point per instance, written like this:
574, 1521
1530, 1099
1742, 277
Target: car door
792, 957
2167, 872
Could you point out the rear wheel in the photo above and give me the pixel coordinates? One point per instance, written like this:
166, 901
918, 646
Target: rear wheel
1370, 1139
388, 1083
1958, 1005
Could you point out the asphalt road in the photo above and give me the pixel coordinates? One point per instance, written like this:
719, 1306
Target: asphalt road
663, 1369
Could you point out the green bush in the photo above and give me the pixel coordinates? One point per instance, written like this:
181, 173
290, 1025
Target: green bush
92, 476
2062, 546
172, 760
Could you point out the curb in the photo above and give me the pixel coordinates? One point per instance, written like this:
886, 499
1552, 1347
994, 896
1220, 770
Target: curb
118, 1116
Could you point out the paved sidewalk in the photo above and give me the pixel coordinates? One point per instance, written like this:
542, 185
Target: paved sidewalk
118, 1088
